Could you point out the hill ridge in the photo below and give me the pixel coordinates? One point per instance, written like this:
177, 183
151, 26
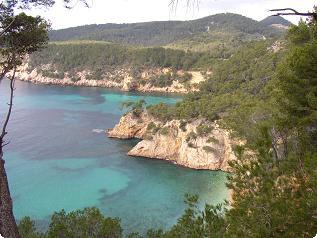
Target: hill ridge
160, 33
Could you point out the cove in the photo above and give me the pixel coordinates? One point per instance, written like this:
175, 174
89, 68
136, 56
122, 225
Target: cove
59, 158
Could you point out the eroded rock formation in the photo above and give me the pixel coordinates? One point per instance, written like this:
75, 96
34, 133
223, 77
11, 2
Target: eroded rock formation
196, 144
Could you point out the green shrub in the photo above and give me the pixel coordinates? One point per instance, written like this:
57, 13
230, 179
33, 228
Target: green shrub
182, 125
164, 80
96, 74
52, 74
89, 222
143, 81
137, 112
165, 131
135, 72
191, 145
153, 128
186, 77
148, 136
191, 136
162, 111
84, 223
150, 126
140, 120
209, 149
27, 229
203, 129
212, 140
75, 79
136, 107
188, 86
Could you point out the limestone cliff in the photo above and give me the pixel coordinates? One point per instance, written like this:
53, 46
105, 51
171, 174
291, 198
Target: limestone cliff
195, 144
122, 78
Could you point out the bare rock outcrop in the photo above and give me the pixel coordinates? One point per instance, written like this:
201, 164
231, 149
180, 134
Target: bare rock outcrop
130, 126
196, 144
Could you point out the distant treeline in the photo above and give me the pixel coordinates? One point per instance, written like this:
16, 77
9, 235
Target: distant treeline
98, 56
165, 32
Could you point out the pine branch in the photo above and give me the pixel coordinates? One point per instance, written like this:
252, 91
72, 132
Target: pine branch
293, 12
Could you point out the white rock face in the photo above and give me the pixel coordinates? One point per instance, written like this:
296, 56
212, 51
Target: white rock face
130, 127
212, 151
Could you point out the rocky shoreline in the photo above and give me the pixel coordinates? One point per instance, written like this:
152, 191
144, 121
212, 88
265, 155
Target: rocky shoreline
176, 142
120, 79
172, 141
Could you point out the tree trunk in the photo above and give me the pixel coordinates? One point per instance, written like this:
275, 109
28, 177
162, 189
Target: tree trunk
8, 226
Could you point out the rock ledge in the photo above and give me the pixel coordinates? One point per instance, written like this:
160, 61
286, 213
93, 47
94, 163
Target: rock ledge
177, 142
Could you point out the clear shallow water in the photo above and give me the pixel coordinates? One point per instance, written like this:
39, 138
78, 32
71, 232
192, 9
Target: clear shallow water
58, 159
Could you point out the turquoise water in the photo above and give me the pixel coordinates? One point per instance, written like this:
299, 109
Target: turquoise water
56, 160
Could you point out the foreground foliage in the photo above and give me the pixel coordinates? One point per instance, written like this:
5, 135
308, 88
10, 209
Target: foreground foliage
88, 222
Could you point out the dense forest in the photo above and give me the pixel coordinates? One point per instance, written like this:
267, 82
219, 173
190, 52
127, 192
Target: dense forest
223, 40
163, 33
266, 94
240, 78
188, 45
101, 57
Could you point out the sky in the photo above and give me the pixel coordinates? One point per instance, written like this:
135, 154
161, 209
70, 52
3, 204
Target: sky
128, 11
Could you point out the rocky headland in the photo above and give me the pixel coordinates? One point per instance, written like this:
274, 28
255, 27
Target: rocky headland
195, 144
